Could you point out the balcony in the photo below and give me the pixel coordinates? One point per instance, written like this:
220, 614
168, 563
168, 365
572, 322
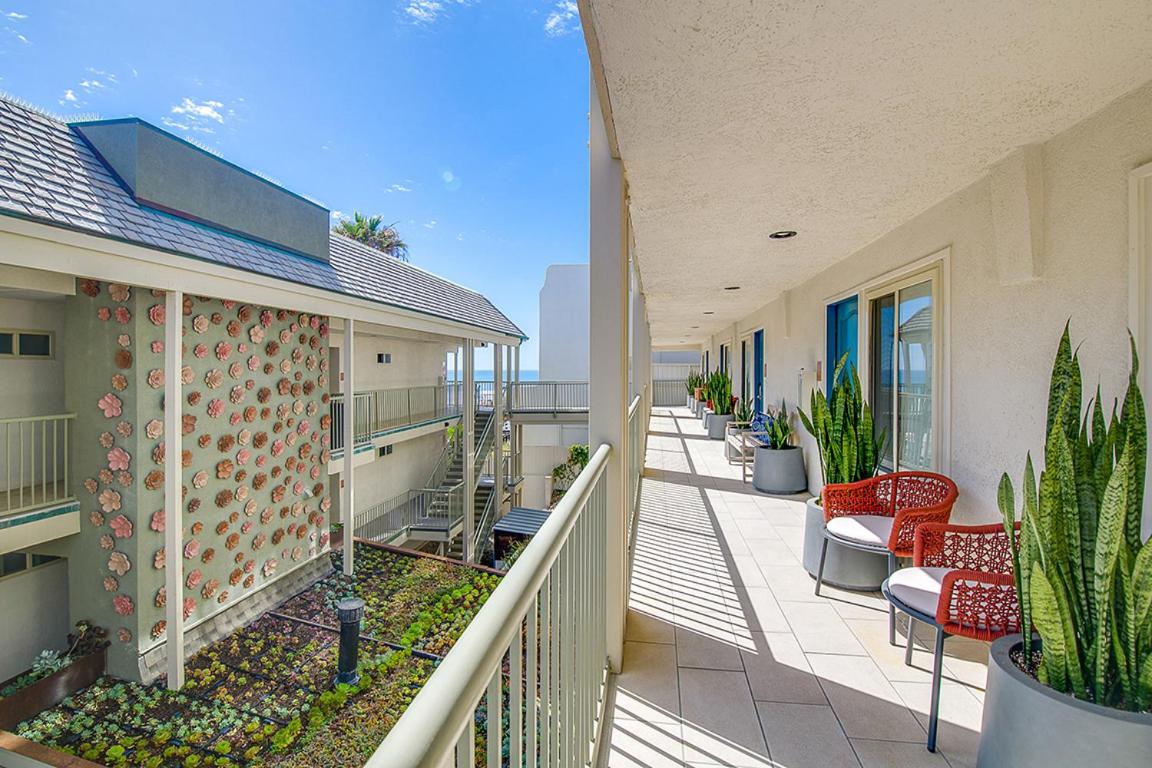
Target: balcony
37, 503
383, 412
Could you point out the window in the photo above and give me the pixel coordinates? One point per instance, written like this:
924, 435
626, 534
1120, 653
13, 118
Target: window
902, 369
758, 369
18, 562
745, 385
843, 336
32, 344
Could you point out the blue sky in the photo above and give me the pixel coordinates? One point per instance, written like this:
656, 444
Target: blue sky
464, 121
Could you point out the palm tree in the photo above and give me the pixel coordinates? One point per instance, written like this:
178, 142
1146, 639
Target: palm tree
371, 231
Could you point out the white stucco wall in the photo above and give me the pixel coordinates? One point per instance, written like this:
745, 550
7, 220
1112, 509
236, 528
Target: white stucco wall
545, 446
33, 619
1003, 331
564, 323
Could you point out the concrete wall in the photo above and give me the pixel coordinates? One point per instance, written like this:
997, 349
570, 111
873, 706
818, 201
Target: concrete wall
32, 619
564, 323
1008, 298
414, 363
545, 446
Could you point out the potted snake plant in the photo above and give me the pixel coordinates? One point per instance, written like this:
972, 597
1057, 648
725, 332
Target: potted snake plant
777, 464
742, 418
692, 388
849, 451
1080, 691
720, 393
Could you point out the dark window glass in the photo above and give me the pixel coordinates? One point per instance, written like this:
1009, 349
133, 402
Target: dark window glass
35, 345
842, 333
6, 343
881, 370
13, 562
42, 559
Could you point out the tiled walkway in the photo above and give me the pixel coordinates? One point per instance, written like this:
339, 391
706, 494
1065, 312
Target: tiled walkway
731, 660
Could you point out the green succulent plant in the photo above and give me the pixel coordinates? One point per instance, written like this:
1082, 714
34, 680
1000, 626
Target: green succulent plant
694, 380
742, 411
850, 450
778, 428
1083, 576
720, 393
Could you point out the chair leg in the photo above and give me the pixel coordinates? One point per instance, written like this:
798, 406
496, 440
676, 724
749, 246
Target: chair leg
908, 648
934, 714
820, 570
891, 607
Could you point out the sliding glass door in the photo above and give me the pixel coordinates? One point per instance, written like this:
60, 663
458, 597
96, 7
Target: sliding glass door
842, 327
902, 370
758, 370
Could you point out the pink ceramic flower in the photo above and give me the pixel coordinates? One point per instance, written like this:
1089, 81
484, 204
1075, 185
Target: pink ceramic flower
270, 567
199, 323
324, 539
107, 542
298, 488
265, 317
109, 500
156, 313
189, 607
256, 334
223, 351
119, 563
157, 347
191, 549
200, 479
277, 447
111, 405
124, 340
242, 348
215, 408
236, 395
235, 370
111, 584
90, 288
157, 523
103, 313
119, 292
187, 375
156, 378
123, 316
158, 559
200, 351
258, 540
153, 429
234, 419
105, 476
121, 526
124, 635
123, 605
119, 382
194, 578
243, 455
213, 379
90, 485
228, 303
118, 459
106, 439
124, 429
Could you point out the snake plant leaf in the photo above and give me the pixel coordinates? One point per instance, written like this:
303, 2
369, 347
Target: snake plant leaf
1061, 377
1136, 447
1126, 632
1061, 467
1109, 540
1030, 552
1006, 499
1087, 510
1142, 598
1050, 626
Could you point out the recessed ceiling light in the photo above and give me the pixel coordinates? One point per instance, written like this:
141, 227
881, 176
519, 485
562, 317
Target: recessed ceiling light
732, 288
783, 234
695, 326
709, 313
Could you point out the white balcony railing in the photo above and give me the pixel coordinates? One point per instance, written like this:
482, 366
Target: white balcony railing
383, 409
35, 455
544, 624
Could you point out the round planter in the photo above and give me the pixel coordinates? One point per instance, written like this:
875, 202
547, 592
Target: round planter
717, 425
779, 470
1029, 725
845, 567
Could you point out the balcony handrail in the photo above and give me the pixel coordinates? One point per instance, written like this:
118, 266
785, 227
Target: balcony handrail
375, 410
36, 472
442, 713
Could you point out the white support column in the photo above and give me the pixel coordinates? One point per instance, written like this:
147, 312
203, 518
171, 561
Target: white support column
498, 426
173, 487
608, 360
347, 485
469, 447
517, 429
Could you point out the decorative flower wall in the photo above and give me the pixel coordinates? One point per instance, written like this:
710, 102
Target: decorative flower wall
254, 456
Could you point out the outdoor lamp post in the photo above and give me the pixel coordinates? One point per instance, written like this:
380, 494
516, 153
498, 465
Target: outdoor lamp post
350, 611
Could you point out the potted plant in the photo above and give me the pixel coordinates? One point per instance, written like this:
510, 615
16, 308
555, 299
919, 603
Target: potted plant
1083, 579
742, 418
777, 464
720, 393
55, 675
849, 451
692, 386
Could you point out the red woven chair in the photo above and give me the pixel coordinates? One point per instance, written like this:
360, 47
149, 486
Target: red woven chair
881, 515
961, 583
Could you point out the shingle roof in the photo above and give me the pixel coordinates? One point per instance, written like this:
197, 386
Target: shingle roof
48, 174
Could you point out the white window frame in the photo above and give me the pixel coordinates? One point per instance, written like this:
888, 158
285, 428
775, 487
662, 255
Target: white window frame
15, 353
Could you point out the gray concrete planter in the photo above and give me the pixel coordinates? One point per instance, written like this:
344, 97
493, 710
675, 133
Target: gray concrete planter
846, 568
779, 470
717, 425
1029, 725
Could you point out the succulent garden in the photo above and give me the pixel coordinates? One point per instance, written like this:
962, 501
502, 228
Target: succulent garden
265, 695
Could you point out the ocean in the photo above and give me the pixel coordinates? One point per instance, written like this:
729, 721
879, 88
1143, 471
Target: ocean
525, 375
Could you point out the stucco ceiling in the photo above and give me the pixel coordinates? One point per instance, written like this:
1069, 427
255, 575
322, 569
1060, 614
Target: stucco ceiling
841, 120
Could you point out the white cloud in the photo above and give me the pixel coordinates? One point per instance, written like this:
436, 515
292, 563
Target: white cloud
188, 126
22, 39
69, 96
460, 237
423, 12
564, 19
15, 16
398, 188
109, 76
91, 85
336, 216
199, 110
430, 224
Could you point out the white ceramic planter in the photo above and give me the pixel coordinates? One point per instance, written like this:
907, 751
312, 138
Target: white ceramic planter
779, 471
1029, 725
717, 425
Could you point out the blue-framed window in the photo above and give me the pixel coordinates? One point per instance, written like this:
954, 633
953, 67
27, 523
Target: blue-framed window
843, 331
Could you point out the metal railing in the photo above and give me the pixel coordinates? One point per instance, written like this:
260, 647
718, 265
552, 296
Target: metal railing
383, 409
484, 524
484, 442
550, 396
429, 509
635, 468
35, 461
547, 619
668, 392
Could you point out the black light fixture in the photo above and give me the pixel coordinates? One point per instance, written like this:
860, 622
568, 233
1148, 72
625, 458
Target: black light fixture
783, 234
731, 287
709, 312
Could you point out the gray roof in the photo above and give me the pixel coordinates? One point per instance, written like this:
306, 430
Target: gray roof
50, 175
521, 521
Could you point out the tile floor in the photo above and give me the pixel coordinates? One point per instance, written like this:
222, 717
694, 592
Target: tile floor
730, 659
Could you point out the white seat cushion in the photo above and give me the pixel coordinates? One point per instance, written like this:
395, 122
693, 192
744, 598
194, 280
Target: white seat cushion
918, 588
872, 530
